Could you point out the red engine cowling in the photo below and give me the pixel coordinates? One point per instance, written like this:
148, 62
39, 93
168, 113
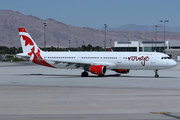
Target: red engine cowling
122, 71
98, 69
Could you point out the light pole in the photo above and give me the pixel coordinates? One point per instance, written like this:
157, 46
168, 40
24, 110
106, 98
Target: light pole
110, 42
164, 31
104, 44
69, 43
128, 44
156, 37
45, 24
105, 25
76, 44
152, 45
58, 44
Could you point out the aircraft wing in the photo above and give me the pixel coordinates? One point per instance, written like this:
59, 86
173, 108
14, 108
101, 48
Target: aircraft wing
83, 63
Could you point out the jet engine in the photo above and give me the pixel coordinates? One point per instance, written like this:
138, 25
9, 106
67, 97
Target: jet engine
122, 71
98, 69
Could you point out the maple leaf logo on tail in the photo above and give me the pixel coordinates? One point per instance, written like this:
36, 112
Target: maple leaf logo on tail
26, 41
31, 49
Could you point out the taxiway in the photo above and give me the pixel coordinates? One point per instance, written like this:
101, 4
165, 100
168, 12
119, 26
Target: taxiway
30, 91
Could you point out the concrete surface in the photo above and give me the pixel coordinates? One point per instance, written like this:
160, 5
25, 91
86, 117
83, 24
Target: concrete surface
35, 92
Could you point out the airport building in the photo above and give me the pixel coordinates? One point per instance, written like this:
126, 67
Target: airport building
172, 48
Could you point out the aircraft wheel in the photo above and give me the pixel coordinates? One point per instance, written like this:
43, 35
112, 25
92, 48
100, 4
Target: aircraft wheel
84, 74
156, 75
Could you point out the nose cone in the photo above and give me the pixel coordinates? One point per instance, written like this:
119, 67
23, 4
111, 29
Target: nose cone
173, 63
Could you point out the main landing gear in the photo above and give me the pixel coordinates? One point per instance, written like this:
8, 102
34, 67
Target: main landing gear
84, 74
156, 73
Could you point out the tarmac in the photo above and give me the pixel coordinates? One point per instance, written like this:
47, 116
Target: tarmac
29, 91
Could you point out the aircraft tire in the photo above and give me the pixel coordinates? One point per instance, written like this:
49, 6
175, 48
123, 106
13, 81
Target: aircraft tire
156, 76
84, 74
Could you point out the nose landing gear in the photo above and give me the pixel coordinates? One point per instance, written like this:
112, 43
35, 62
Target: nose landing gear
156, 73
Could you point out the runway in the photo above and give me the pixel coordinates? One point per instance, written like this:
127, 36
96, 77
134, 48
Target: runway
30, 91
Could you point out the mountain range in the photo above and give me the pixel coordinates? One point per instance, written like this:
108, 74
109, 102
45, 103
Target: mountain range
57, 31
133, 27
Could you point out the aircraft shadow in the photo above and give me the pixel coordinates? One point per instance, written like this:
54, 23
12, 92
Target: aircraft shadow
70, 76
54, 75
148, 77
91, 76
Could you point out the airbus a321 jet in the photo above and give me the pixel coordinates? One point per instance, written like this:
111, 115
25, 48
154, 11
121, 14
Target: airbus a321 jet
94, 62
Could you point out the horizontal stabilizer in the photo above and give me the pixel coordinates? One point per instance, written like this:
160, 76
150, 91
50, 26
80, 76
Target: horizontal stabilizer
23, 56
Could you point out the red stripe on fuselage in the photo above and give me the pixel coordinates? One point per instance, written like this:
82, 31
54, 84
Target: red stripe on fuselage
39, 60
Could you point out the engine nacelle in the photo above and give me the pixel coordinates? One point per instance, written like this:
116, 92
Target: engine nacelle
98, 69
122, 71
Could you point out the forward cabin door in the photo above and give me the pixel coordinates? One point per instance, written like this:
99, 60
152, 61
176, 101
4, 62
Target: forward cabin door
79, 58
119, 59
153, 60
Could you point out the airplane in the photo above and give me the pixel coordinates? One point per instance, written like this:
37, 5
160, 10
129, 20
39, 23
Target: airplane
95, 62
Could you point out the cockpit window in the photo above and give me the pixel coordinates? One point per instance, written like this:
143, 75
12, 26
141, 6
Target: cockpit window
165, 58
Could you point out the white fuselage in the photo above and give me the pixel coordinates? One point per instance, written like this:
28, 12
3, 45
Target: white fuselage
112, 60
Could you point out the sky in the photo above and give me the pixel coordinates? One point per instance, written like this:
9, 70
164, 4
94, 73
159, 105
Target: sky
95, 13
